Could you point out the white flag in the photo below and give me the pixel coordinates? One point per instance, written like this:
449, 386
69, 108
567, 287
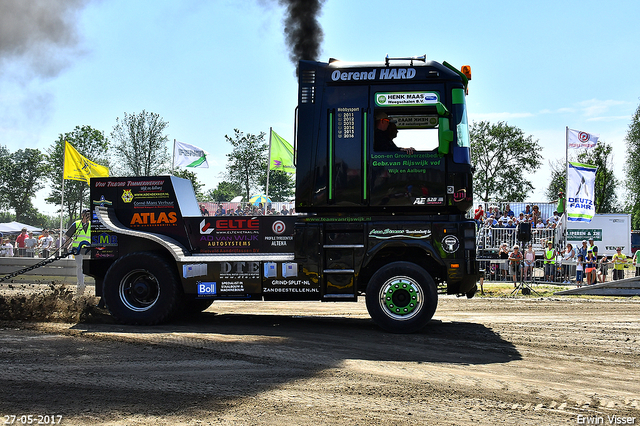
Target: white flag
581, 182
578, 139
189, 156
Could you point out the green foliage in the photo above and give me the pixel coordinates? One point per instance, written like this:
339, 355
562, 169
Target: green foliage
632, 170
281, 185
502, 157
140, 145
225, 191
247, 162
558, 180
5, 158
91, 144
22, 176
197, 185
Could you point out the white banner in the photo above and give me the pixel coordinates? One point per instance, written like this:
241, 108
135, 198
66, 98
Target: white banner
581, 182
577, 139
186, 155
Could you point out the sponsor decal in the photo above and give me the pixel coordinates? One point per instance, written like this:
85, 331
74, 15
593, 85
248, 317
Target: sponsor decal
194, 270
385, 74
238, 224
278, 227
102, 202
239, 270
406, 99
428, 200
232, 287
386, 234
104, 255
153, 204
127, 196
459, 195
128, 183
154, 219
290, 286
450, 190
205, 228
206, 288
584, 234
104, 240
450, 244
279, 240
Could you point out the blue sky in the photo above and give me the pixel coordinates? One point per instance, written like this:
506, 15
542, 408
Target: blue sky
208, 67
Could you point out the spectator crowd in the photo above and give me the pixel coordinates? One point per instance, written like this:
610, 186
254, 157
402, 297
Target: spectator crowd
581, 266
28, 244
494, 218
237, 209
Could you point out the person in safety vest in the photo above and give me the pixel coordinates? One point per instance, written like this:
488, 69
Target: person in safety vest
550, 262
619, 261
79, 236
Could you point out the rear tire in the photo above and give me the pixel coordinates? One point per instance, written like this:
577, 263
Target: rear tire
401, 297
142, 288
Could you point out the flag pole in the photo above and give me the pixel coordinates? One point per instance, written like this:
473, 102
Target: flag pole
566, 181
173, 157
269, 162
64, 159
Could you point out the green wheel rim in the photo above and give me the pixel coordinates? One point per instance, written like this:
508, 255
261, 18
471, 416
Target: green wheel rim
401, 298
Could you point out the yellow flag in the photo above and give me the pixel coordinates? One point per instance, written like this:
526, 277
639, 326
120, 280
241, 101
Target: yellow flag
76, 167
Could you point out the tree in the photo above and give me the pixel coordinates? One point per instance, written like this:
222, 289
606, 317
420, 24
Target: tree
247, 162
558, 180
140, 145
225, 191
197, 185
502, 157
281, 185
23, 176
91, 144
5, 158
632, 170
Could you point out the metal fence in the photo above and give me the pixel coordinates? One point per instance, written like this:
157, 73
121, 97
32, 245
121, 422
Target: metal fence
492, 238
500, 270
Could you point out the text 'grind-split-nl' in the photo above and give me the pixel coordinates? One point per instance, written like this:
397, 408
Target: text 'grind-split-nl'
385, 74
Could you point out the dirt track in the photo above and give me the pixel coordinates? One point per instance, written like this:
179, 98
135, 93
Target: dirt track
509, 361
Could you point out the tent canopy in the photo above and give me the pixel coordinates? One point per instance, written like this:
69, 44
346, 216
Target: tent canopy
16, 227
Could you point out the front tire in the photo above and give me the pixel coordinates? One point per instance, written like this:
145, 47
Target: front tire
401, 297
141, 288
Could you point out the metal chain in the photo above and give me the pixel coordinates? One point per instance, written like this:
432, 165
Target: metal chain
47, 260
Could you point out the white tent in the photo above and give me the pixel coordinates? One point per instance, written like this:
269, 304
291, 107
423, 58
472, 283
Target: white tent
16, 227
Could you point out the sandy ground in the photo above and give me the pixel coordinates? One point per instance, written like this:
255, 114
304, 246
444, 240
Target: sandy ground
486, 361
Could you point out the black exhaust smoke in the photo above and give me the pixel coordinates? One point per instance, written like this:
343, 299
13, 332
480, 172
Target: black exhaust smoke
39, 33
302, 29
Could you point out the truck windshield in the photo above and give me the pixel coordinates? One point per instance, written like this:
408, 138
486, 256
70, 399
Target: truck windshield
418, 131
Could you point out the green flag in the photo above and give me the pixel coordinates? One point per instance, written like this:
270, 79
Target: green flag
281, 154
